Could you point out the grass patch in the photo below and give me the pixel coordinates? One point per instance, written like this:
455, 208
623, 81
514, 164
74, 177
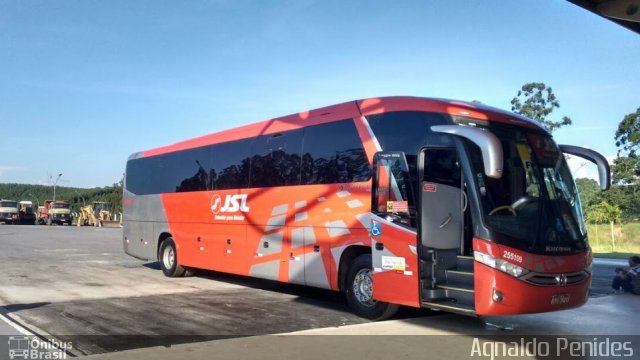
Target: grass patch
625, 242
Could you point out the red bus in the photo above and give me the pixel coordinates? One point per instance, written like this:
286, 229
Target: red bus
395, 201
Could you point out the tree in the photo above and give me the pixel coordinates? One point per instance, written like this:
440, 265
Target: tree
537, 101
625, 197
626, 167
77, 196
605, 212
628, 134
589, 191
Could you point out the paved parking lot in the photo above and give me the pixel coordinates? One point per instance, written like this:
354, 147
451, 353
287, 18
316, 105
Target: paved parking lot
78, 285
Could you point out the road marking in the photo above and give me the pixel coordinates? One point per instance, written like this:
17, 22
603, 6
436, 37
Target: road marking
15, 326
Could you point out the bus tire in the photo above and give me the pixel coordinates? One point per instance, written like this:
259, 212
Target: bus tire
359, 291
168, 257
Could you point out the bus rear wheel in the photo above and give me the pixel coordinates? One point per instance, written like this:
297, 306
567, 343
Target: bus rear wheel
168, 257
359, 291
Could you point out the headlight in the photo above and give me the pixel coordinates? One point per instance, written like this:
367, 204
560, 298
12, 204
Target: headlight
499, 264
512, 269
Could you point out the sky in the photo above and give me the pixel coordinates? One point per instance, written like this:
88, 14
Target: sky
84, 84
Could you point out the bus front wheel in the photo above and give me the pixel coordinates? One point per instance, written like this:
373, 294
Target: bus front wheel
169, 259
359, 291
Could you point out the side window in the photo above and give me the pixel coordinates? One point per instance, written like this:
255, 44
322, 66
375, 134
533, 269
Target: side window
442, 166
230, 165
149, 176
393, 197
407, 131
217, 167
333, 153
137, 180
276, 159
190, 168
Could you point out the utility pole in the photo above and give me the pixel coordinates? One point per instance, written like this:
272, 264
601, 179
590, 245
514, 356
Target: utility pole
54, 186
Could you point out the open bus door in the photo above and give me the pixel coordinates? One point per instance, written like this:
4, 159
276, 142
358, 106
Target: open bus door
396, 276
448, 281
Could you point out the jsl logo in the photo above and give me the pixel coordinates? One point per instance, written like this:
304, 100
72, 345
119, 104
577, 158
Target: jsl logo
232, 203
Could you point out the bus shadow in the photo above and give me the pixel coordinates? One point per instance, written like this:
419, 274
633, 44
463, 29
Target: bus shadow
317, 297
19, 307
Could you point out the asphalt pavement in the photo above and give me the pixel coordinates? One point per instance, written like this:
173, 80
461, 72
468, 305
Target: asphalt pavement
77, 285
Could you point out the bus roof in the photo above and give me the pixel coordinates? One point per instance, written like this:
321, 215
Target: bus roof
347, 110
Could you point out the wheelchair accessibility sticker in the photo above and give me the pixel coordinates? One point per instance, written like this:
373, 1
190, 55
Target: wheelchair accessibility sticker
376, 229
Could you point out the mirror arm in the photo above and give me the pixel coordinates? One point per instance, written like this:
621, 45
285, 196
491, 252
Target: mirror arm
604, 171
488, 143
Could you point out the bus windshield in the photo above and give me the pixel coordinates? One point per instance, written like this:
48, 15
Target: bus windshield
60, 206
535, 202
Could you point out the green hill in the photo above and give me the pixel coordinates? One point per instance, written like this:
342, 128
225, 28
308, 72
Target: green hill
77, 196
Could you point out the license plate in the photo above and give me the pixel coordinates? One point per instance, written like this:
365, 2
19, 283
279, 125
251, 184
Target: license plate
560, 299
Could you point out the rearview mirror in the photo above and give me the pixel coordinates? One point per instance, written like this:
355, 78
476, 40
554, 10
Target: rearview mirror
604, 172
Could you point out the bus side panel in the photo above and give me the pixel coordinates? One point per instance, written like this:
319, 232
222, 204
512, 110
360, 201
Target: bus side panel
202, 239
227, 248
135, 234
290, 234
141, 214
305, 229
395, 263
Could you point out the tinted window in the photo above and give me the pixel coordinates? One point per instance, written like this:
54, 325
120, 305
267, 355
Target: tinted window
330, 153
175, 172
230, 165
189, 169
277, 159
333, 153
442, 166
408, 131
221, 166
139, 175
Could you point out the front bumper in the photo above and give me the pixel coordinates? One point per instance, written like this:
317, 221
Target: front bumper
520, 297
61, 217
8, 217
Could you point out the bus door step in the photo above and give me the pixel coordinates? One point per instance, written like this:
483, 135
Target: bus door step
458, 285
464, 263
450, 306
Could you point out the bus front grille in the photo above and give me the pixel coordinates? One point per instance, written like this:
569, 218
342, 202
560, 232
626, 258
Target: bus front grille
555, 279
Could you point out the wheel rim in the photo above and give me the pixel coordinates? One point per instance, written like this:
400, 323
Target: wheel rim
363, 287
168, 257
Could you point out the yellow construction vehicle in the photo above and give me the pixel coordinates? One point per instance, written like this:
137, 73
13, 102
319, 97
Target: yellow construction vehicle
98, 214
86, 217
